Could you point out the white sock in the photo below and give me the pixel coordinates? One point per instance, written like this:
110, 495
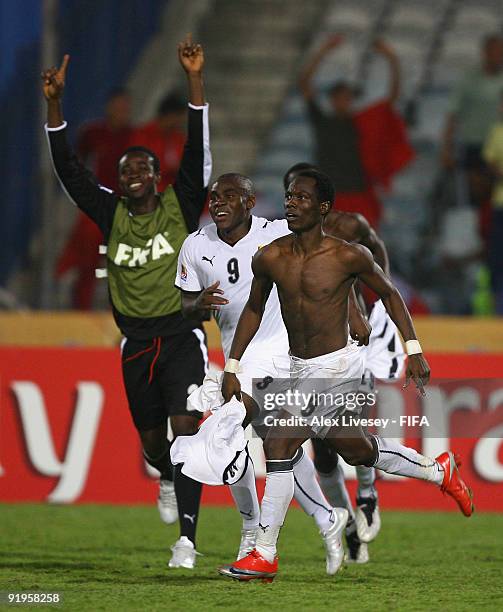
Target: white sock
395, 458
245, 497
334, 487
366, 477
277, 497
307, 491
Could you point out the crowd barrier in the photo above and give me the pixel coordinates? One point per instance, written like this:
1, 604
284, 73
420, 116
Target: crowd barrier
66, 434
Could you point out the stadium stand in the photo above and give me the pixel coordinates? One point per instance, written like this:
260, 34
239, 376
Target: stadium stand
436, 41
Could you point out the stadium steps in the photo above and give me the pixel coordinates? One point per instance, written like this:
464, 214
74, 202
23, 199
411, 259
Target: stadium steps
253, 48
157, 70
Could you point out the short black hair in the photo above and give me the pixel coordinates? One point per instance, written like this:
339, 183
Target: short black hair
325, 190
173, 102
140, 149
245, 182
295, 169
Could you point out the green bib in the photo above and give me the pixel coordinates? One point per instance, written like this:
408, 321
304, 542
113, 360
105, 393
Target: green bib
142, 257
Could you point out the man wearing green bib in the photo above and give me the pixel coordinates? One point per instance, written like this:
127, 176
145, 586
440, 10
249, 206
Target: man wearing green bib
164, 356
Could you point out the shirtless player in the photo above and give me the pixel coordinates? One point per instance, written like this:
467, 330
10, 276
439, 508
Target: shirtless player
384, 360
313, 274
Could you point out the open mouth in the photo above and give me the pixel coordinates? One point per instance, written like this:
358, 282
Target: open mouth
135, 186
221, 214
291, 216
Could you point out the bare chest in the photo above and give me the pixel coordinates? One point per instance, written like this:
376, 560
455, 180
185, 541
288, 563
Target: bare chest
316, 279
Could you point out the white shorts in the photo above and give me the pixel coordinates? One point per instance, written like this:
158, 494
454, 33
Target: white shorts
260, 367
329, 379
384, 356
262, 370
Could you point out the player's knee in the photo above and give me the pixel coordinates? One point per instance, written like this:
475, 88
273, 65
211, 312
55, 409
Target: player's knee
154, 441
325, 460
357, 456
184, 426
278, 448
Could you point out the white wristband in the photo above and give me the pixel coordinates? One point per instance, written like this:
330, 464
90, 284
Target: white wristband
232, 366
412, 347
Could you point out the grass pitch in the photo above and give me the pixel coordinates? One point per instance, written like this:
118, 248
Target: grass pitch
115, 558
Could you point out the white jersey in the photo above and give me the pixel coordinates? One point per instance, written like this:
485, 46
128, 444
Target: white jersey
384, 355
205, 259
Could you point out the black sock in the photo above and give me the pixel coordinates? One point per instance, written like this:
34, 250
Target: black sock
162, 463
188, 497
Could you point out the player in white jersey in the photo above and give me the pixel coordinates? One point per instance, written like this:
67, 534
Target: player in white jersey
206, 258
214, 274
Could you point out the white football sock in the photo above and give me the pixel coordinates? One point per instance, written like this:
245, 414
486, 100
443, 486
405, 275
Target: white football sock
334, 487
245, 497
395, 458
277, 497
307, 491
366, 477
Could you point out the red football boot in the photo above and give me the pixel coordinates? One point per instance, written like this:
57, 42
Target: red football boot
251, 567
453, 484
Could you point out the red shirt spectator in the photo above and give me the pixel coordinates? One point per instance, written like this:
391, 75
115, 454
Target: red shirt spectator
357, 150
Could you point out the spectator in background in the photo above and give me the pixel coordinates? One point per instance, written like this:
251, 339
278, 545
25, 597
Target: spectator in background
358, 150
493, 155
473, 110
99, 145
165, 136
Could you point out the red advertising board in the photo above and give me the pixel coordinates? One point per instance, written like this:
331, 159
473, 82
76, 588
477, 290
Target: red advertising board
66, 434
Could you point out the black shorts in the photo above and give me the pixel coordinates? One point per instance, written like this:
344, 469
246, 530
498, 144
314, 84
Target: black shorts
160, 373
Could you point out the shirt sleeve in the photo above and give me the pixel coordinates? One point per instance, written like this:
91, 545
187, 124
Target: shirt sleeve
79, 183
187, 277
191, 184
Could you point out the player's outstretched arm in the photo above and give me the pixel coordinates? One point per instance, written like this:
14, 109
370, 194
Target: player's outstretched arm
195, 168
248, 324
360, 263
80, 184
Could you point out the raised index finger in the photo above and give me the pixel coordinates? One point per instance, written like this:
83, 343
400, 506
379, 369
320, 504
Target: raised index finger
64, 64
